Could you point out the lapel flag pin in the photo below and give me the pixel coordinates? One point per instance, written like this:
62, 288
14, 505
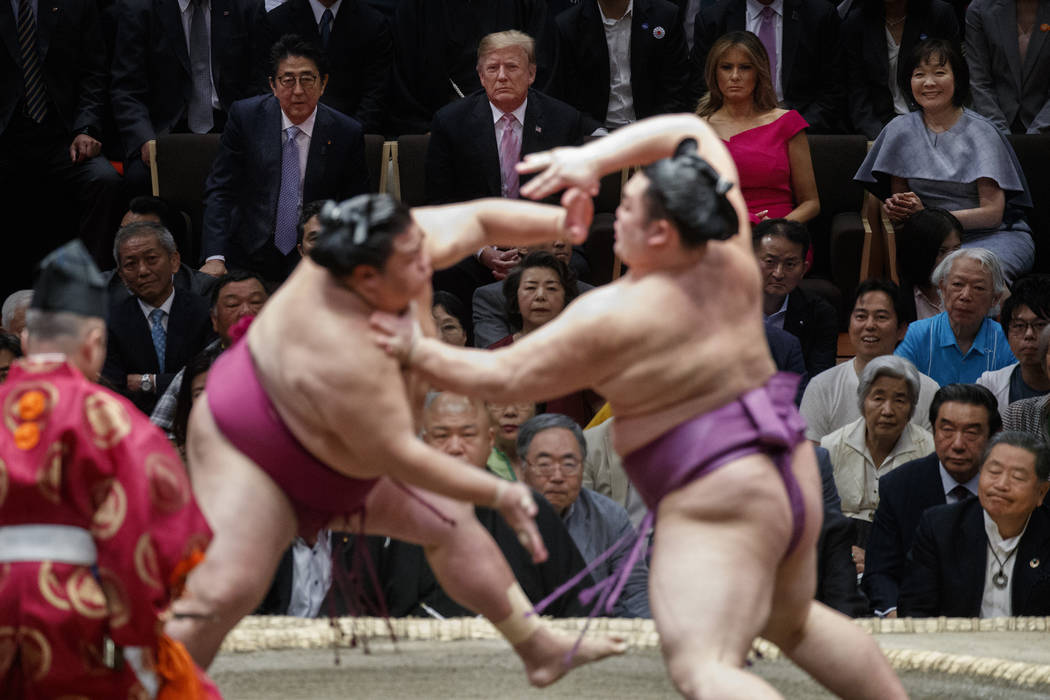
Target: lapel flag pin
1034, 563
1044, 27
539, 129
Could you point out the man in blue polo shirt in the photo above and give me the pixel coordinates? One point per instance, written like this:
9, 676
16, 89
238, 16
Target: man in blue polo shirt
962, 342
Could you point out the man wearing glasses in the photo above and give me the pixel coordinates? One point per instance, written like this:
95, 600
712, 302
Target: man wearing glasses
278, 151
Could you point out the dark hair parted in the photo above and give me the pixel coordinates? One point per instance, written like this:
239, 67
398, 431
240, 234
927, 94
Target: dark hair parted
688, 192
359, 231
309, 211
294, 45
919, 243
794, 231
937, 52
1027, 442
200, 363
235, 276
537, 258
972, 394
887, 287
1032, 291
454, 306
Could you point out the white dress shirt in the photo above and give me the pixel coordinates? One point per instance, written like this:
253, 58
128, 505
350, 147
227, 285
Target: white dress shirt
311, 575
621, 96
519, 128
302, 140
186, 14
948, 483
751, 24
319, 9
893, 50
165, 307
997, 602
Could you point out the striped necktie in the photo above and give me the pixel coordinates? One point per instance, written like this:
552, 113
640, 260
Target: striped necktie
36, 95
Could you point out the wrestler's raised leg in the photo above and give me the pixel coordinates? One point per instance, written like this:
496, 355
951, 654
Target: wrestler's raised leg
717, 542
470, 567
841, 656
253, 524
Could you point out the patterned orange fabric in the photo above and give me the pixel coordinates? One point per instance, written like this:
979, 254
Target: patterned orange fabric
73, 453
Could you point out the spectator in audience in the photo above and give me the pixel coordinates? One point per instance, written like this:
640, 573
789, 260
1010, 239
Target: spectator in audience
877, 38
155, 209
603, 471
553, 448
1009, 60
973, 172
490, 315
882, 439
837, 568
622, 60
308, 228
196, 372
52, 107
963, 341
925, 239
985, 557
435, 52
787, 356
781, 247
451, 319
875, 328
10, 350
472, 150
507, 419
156, 330
13, 313
768, 144
801, 40
277, 152
1025, 315
356, 41
1030, 415
964, 417
237, 294
177, 70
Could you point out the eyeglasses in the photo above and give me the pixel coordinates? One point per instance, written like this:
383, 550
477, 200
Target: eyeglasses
1019, 327
306, 80
787, 264
545, 466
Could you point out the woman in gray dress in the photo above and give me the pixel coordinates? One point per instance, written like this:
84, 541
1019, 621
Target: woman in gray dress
945, 155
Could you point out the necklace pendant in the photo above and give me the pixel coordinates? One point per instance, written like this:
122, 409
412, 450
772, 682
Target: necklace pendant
1000, 580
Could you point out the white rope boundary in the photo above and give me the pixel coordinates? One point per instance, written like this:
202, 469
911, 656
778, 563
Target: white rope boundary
271, 633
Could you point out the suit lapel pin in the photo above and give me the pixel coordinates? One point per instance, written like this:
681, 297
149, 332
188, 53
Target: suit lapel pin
539, 129
1034, 563
658, 32
645, 26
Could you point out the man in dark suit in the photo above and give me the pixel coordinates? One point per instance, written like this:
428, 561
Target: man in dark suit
989, 556
278, 151
52, 100
156, 330
808, 74
163, 83
635, 67
355, 39
964, 417
781, 247
471, 155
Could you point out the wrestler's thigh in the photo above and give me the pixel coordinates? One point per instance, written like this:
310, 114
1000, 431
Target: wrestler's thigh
252, 520
796, 578
409, 514
717, 542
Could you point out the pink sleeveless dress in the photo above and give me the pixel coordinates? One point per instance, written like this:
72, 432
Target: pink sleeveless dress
761, 157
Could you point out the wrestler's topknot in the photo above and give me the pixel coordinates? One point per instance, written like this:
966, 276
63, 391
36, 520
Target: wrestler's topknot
359, 231
689, 192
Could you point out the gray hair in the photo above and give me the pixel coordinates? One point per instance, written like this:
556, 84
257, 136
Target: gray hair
988, 260
1024, 441
545, 421
20, 299
144, 228
1044, 345
889, 366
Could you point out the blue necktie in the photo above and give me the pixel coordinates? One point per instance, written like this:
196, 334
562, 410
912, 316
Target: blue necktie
288, 200
160, 336
326, 26
36, 97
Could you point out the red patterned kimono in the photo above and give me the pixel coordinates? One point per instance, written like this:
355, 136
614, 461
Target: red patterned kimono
74, 454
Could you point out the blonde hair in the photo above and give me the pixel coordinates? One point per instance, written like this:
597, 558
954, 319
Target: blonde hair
505, 40
764, 95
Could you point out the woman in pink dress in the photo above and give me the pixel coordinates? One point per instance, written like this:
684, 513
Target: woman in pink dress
768, 143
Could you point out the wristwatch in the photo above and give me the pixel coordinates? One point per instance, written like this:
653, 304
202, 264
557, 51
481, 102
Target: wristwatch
147, 383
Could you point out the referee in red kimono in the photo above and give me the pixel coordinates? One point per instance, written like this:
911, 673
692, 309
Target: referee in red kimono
98, 526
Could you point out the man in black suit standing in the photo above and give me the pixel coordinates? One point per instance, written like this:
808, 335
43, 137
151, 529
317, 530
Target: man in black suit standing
623, 60
987, 556
964, 417
52, 99
475, 143
278, 151
356, 40
154, 332
177, 67
804, 56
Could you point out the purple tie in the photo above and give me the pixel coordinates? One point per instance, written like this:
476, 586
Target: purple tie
767, 34
509, 153
288, 199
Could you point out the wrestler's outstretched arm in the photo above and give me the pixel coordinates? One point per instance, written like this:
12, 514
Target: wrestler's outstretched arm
455, 231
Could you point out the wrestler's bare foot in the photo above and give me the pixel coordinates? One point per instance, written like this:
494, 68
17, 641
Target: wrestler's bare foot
544, 654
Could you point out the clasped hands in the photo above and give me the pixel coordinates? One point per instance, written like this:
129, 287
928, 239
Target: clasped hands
902, 205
